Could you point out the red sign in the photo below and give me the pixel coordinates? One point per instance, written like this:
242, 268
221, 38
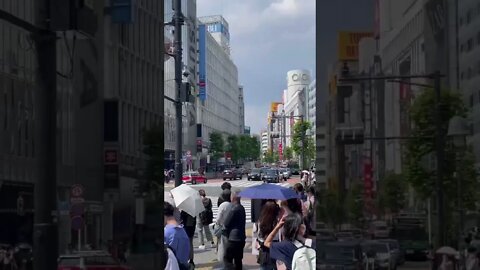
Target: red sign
111, 157
280, 151
367, 176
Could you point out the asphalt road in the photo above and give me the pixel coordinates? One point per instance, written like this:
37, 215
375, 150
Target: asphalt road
213, 189
415, 266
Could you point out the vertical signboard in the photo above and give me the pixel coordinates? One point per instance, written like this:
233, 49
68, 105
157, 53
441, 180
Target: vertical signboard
368, 184
348, 44
376, 29
202, 68
280, 151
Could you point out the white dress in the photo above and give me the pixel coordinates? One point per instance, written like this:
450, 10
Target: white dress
172, 263
222, 213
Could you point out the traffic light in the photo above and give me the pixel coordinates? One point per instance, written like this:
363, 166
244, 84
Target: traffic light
187, 93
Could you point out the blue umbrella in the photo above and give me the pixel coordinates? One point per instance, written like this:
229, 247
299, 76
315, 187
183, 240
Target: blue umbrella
269, 191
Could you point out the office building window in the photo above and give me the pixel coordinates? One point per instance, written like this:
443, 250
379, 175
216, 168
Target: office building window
469, 45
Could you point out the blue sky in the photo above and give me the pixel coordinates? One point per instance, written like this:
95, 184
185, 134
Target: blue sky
268, 38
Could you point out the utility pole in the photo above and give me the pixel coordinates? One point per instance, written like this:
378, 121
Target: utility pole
45, 234
303, 145
178, 21
440, 153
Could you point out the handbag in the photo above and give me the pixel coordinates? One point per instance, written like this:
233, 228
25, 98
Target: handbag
218, 230
263, 254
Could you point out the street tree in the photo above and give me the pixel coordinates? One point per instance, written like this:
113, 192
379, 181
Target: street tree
300, 141
330, 209
153, 141
392, 193
288, 153
420, 176
232, 147
354, 204
217, 145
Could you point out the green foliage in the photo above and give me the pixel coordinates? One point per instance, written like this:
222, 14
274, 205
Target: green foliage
392, 193
330, 209
271, 157
423, 116
153, 148
301, 141
354, 204
288, 153
243, 147
217, 145
232, 147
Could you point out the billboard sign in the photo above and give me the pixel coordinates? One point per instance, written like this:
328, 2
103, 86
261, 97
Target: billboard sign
218, 28
202, 67
274, 106
348, 44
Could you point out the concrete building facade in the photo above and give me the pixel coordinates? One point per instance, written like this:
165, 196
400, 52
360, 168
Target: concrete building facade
295, 99
108, 92
469, 65
220, 103
190, 56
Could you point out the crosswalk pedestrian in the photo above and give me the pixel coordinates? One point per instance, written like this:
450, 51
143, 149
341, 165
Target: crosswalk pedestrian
246, 204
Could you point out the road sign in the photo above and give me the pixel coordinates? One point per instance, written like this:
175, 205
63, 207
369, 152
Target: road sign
76, 191
111, 156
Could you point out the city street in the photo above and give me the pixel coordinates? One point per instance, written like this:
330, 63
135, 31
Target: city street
212, 187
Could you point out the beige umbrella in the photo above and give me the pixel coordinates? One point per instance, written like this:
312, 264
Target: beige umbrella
188, 200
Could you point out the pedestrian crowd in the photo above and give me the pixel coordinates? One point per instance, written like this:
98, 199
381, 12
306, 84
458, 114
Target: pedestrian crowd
15, 258
284, 234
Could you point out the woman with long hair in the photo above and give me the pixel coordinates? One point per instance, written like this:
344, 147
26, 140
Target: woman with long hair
293, 232
266, 223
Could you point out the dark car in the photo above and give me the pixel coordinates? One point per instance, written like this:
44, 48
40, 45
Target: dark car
341, 255
357, 233
271, 176
295, 171
325, 235
380, 251
345, 236
232, 174
397, 254
255, 175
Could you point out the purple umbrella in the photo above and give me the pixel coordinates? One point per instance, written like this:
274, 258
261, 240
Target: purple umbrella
269, 191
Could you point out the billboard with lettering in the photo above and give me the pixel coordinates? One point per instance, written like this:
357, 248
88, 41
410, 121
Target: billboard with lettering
348, 44
202, 67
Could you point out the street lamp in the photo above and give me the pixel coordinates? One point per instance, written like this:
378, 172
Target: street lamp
458, 131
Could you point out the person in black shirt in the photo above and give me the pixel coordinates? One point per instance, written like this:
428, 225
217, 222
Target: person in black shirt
235, 233
189, 224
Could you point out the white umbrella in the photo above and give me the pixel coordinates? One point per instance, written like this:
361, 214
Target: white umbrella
447, 251
188, 200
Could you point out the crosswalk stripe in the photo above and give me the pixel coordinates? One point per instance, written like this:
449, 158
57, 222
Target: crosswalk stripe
243, 183
247, 204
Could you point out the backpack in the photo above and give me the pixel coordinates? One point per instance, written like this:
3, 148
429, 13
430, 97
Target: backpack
304, 258
206, 217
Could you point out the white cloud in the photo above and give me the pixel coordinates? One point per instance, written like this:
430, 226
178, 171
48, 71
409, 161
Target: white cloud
268, 38
256, 117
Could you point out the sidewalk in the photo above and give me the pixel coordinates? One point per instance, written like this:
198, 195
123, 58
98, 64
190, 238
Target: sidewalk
207, 259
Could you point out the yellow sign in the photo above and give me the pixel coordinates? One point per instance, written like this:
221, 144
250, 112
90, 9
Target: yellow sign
274, 106
348, 44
